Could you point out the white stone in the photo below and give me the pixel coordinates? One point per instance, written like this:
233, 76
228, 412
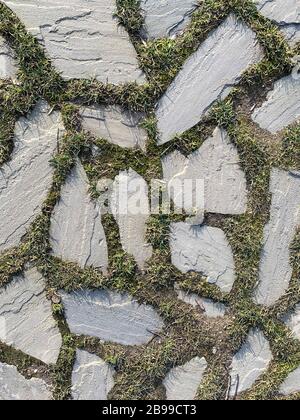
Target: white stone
110, 316
92, 378
14, 387
292, 321
82, 37
210, 308
275, 268
207, 76
205, 250
282, 106
292, 384
26, 179
250, 362
182, 382
8, 67
76, 232
26, 317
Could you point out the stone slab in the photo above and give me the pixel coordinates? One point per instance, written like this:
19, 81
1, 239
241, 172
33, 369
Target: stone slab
292, 384
8, 65
210, 308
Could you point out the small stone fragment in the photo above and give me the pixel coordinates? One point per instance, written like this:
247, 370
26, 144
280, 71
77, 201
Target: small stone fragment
8, 67
292, 384
292, 321
209, 308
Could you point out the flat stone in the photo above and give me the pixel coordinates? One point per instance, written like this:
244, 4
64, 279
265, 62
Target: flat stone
182, 382
76, 232
92, 378
83, 38
206, 77
8, 66
217, 163
250, 362
292, 321
117, 125
110, 316
282, 106
26, 318
14, 387
292, 384
26, 179
166, 18
204, 250
275, 268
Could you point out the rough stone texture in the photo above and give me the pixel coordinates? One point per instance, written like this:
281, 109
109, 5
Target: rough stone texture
27, 177
117, 125
82, 37
275, 269
207, 76
14, 387
8, 67
27, 318
217, 163
76, 232
92, 378
250, 362
292, 384
292, 321
282, 107
182, 382
205, 250
166, 18
110, 316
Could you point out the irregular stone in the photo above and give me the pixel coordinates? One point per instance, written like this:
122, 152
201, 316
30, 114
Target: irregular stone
206, 77
292, 384
92, 378
117, 125
250, 362
14, 387
76, 232
182, 382
83, 38
205, 250
275, 268
292, 321
110, 316
217, 163
8, 67
26, 179
166, 18
27, 321
282, 106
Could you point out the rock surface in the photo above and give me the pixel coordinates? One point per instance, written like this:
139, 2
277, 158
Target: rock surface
83, 38
26, 179
76, 232
292, 384
292, 321
282, 107
207, 76
275, 269
26, 318
205, 250
92, 378
250, 362
8, 67
182, 382
210, 308
14, 387
110, 316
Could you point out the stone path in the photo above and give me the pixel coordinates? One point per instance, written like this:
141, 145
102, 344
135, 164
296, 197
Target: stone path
8, 66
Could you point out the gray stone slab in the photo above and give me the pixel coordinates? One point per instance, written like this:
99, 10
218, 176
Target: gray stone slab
26, 318
26, 179
110, 316
275, 269
83, 38
292, 321
205, 250
92, 378
210, 308
207, 76
8, 66
292, 383
182, 382
14, 387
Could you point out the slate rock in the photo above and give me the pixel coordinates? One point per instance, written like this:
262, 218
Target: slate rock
8, 66
292, 383
292, 321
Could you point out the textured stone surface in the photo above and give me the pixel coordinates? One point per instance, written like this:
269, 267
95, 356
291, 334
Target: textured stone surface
166, 18
92, 378
292, 321
282, 106
14, 387
26, 317
292, 383
207, 76
82, 38
182, 382
275, 269
210, 308
27, 177
250, 362
117, 125
76, 232
8, 67
110, 316
217, 163
205, 250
